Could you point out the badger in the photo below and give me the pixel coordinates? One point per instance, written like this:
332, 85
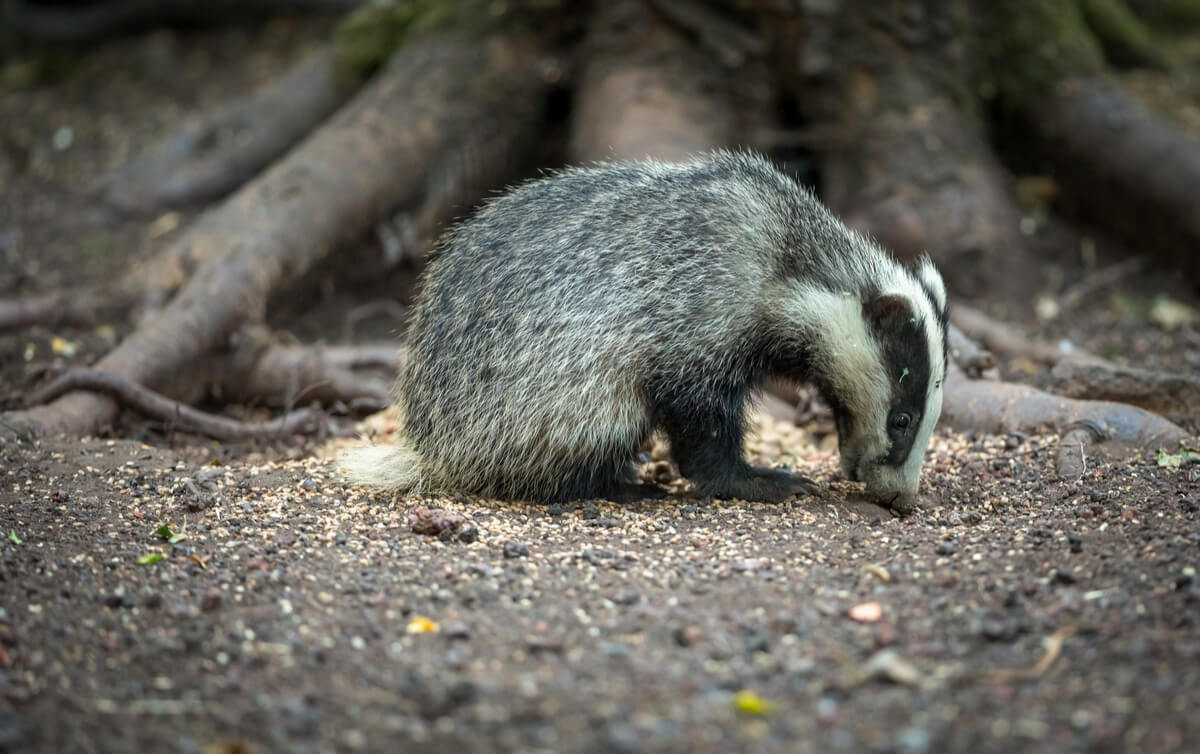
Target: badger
571, 317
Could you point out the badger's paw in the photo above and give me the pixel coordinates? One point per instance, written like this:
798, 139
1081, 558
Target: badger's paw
768, 486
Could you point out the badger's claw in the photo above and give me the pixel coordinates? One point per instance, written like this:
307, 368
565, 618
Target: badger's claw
768, 486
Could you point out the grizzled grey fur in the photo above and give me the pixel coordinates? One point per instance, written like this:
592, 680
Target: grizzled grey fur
571, 317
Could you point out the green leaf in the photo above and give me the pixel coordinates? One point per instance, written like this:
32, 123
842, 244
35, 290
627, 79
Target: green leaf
171, 537
12, 537
1173, 461
150, 558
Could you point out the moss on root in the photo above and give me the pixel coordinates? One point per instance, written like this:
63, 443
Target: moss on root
1031, 46
368, 36
1126, 40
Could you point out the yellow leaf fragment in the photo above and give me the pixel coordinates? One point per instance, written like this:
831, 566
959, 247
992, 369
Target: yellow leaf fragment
750, 704
422, 625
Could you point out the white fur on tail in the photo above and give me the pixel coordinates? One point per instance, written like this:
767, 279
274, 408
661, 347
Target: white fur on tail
395, 466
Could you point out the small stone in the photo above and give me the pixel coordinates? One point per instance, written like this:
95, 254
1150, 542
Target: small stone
626, 598
468, 534
947, 548
211, 600
1076, 543
60, 496
458, 631
688, 635
913, 739
309, 484
590, 511
513, 549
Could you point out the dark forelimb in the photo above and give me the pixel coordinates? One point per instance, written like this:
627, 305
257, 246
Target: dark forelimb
707, 443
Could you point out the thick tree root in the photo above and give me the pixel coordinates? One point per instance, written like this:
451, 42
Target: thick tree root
905, 165
992, 406
181, 417
1133, 171
227, 147
374, 154
1163, 393
647, 91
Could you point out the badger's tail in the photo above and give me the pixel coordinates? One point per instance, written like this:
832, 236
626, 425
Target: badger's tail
395, 466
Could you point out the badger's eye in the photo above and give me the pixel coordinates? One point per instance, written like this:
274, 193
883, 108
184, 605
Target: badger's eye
901, 420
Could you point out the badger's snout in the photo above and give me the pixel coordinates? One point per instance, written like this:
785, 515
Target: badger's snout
889, 488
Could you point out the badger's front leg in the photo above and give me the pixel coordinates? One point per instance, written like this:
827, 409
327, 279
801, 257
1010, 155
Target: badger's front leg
707, 444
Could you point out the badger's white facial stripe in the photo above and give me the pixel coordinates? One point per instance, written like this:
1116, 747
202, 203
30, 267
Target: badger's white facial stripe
847, 355
928, 275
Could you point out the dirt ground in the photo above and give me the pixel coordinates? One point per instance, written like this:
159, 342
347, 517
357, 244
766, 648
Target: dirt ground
1016, 611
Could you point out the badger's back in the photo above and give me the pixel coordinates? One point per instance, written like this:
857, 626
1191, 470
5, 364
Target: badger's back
542, 318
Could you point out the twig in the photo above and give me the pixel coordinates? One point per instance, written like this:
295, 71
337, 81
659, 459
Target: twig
182, 417
1054, 646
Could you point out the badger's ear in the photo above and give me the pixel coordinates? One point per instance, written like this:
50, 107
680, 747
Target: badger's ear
890, 312
931, 279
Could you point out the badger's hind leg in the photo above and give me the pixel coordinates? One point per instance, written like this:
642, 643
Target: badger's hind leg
707, 443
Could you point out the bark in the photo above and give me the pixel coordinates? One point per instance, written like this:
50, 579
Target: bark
1120, 165
647, 91
375, 154
991, 406
1160, 392
216, 155
909, 166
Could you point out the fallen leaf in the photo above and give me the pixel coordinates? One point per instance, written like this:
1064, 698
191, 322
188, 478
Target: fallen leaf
166, 533
878, 572
867, 613
1170, 314
422, 625
12, 538
750, 704
1173, 461
149, 558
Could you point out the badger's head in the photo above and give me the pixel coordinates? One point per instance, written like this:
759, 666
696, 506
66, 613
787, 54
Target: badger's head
878, 356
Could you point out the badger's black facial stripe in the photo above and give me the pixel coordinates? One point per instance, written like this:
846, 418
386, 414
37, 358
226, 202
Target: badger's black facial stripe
899, 331
943, 315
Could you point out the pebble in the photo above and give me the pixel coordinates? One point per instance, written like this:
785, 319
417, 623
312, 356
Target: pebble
913, 739
947, 548
211, 600
513, 549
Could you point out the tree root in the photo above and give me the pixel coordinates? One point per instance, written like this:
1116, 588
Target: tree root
181, 417
286, 376
375, 153
69, 308
992, 406
1163, 393
227, 147
1138, 172
968, 355
909, 168
1003, 338
646, 91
